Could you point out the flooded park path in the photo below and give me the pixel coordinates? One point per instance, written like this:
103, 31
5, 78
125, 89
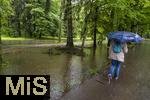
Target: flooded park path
66, 71
71, 75
134, 82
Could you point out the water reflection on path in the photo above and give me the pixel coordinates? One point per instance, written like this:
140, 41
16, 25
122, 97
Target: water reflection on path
66, 71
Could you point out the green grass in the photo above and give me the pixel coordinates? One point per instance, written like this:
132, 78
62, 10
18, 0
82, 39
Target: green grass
15, 38
23, 38
6, 38
43, 38
147, 39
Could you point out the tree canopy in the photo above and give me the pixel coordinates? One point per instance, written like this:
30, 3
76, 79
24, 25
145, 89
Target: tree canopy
73, 18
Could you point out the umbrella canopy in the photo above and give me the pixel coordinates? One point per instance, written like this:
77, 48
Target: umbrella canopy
123, 36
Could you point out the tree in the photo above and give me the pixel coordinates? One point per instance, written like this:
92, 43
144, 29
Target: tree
40, 18
62, 4
18, 7
5, 11
73, 18
68, 12
95, 25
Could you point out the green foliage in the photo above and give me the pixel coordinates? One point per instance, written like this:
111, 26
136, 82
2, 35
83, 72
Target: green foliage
114, 15
37, 19
31, 17
5, 8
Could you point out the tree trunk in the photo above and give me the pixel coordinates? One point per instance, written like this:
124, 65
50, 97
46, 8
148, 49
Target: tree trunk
17, 19
34, 26
59, 34
0, 42
84, 31
18, 27
60, 22
69, 24
0, 29
19, 6
47, 6
113, 17
137, 28
40, 35
95, 27
28, 25
65, 17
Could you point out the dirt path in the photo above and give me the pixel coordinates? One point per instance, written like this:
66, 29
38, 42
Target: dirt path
134, 82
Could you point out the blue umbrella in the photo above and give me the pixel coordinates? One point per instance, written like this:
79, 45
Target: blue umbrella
123, 36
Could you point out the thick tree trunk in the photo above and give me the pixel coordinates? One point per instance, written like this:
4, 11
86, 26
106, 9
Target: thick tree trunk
95, 27
69, 24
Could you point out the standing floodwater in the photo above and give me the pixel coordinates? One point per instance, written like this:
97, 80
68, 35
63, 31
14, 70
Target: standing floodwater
69, 71
133, 84
66, 71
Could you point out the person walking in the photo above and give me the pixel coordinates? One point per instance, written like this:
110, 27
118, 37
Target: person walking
116, 55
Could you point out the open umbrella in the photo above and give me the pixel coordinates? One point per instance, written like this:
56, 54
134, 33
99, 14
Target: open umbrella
123, 36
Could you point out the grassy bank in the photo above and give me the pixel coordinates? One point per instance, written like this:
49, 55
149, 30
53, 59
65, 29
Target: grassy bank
15, 38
